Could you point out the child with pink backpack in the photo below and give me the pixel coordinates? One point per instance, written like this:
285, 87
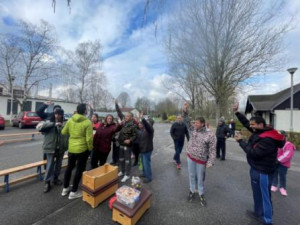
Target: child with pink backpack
284, 157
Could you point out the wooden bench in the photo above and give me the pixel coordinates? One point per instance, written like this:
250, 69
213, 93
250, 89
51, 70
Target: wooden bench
38, 173
18, 139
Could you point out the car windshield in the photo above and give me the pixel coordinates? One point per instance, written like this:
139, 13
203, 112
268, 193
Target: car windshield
32, 114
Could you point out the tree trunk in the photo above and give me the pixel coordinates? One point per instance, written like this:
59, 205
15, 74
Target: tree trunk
218, 110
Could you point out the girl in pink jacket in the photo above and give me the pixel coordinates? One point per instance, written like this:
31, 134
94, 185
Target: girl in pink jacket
284, 157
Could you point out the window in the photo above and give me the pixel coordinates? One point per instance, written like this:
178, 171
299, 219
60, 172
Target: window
32, 114
1, 91
27, 106
15, 107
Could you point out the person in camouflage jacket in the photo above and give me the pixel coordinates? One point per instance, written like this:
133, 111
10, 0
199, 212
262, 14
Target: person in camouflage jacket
127, 136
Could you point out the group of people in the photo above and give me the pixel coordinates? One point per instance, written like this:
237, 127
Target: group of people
84, 138
268, 151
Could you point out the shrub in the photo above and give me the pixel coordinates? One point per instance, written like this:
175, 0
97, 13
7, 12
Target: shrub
294, 137
164, 116
172, 118
238, 125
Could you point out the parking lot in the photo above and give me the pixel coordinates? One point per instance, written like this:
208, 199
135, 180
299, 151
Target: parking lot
227, 190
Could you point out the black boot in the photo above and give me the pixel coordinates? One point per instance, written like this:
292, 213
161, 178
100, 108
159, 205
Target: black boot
47, 187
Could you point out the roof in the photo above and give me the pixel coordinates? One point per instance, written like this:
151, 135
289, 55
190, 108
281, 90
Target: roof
43, 98
269, 102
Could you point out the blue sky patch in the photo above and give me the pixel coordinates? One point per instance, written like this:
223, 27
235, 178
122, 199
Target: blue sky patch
9, 21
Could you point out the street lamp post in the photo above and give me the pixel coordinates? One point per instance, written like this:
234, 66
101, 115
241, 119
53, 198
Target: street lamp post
292, 71
12, 79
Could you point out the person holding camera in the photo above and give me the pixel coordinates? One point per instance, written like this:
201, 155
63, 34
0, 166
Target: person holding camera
54, 146
261, 151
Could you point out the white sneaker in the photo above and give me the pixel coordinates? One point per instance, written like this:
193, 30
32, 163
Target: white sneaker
125, 178
74, 195
65, 191
120, 174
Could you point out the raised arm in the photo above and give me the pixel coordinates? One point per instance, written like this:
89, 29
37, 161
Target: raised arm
185, 116
120, 114
41, 111
148, 127
242, 118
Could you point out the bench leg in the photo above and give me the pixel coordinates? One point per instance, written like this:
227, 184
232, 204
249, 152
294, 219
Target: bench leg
32, 137
39, 172
6, 181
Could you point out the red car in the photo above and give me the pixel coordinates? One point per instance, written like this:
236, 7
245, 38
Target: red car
26, 119
2, 123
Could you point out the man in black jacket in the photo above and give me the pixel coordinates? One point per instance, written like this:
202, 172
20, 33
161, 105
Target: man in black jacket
178, 132
146, 147
222, 133
261, 151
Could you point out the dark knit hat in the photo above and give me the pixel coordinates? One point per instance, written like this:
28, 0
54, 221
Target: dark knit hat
59, 111
56, 106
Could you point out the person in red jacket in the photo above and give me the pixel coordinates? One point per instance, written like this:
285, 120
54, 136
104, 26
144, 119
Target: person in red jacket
102, 141
95, 121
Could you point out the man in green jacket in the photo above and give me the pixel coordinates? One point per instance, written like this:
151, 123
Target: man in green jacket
80, 130
54, 146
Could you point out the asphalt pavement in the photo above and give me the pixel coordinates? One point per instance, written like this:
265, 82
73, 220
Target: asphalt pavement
227, 190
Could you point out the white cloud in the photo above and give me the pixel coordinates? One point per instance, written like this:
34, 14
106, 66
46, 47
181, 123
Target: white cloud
140, 67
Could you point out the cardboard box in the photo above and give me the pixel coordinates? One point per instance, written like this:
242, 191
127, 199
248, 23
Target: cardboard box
127, 216
99, 177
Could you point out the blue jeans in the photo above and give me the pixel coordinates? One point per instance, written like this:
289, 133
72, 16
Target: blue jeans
281, 171
146, 160
261, 187
53, 168
178, 149
196, 176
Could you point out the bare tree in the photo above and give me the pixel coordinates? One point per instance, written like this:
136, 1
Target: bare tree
107, 101
9, 60
81, 65
69, 94
143, 104
124, 99
29, 56
96, 89
166, 106
226, 42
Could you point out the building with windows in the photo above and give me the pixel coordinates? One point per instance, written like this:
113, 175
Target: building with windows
275, 108
32, 103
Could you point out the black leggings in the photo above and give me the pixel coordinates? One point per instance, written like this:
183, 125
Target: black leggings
136, 152
81, 159
98, 157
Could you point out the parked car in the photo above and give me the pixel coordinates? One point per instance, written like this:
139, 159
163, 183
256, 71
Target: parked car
26, 119
67, 116
2, 123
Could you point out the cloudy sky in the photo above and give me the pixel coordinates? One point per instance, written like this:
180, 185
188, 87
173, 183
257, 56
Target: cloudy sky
133, 56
